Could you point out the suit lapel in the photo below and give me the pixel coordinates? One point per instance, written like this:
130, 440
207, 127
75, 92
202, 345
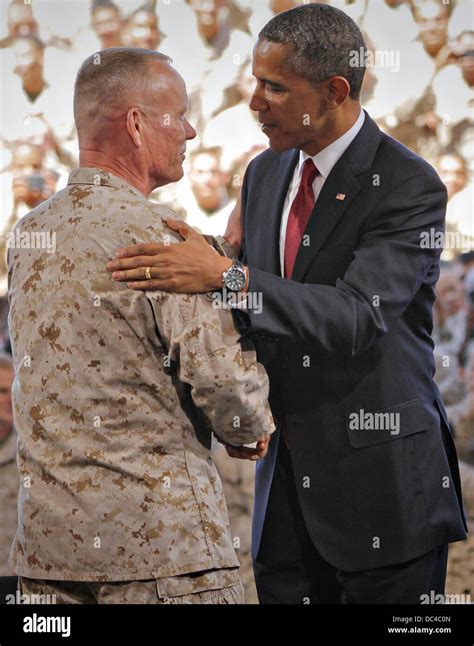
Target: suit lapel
270, 252
342, 180
264, 225
327, 212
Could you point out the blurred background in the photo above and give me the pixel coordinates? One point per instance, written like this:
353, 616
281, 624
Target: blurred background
418, 87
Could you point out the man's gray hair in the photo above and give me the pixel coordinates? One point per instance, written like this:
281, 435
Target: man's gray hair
109, 74
323, 40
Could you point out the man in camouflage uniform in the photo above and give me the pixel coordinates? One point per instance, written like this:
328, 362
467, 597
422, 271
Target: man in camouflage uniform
116, 392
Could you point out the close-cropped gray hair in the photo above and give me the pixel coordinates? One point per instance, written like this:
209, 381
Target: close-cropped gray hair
323, 40
107, 75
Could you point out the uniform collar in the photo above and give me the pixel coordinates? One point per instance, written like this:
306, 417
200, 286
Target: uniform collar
99, 177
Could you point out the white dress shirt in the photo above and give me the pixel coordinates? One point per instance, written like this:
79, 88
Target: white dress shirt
324, 162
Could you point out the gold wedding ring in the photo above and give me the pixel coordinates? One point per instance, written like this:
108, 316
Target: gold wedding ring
147, 273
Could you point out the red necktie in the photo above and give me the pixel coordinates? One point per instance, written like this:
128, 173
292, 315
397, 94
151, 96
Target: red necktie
300, 213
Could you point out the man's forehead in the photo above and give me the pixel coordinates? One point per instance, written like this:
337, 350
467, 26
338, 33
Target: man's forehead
269, 62
162, 72
169, 81
265, 52
269, 57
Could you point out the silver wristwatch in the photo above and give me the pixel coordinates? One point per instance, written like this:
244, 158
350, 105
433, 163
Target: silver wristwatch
234, 278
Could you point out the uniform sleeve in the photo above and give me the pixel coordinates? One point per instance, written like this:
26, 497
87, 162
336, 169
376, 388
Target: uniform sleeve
226, 248
226, 380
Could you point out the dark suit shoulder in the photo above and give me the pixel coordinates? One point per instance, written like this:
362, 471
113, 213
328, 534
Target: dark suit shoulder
408, 164
266, 160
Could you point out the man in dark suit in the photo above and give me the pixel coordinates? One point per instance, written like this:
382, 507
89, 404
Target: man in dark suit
359, 492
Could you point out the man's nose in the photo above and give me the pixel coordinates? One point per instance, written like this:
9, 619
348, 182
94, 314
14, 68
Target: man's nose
257, 103
190, 132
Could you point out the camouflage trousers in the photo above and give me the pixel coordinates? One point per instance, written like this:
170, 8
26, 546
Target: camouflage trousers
210, 587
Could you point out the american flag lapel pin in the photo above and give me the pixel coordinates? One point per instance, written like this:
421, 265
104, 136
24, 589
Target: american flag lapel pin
341, 196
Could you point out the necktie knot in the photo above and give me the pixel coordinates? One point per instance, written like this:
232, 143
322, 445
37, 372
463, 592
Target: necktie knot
310, 172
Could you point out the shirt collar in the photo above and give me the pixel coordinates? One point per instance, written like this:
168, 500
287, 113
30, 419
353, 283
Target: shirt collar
327, 158
99, 177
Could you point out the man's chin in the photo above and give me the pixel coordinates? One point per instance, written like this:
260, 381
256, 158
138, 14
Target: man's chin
177, 175
170, 178
279, 146
277, 140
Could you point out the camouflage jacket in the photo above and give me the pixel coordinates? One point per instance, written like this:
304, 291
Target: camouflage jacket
114, 397
9, 483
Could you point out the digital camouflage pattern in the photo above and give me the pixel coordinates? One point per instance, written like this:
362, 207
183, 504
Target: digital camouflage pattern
9, 484
218, 587
114, 398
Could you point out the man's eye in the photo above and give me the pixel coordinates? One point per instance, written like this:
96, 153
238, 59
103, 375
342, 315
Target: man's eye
274, 88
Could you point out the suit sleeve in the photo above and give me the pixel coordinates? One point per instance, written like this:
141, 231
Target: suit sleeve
226, 380
389, 266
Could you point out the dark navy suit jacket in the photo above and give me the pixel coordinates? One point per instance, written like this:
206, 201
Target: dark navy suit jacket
350, 335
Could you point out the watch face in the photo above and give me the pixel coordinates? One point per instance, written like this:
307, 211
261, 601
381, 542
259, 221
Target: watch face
235, 279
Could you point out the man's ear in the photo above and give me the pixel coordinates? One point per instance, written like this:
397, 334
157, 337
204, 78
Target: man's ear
134, 126
338, 91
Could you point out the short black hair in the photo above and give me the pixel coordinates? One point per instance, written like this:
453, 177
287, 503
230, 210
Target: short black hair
323, 41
